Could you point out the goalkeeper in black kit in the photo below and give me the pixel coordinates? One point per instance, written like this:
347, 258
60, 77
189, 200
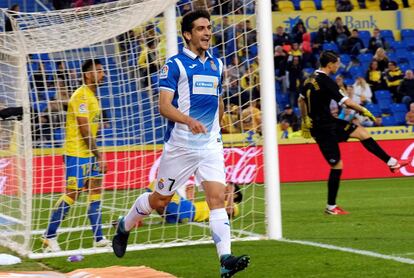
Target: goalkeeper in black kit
317, 122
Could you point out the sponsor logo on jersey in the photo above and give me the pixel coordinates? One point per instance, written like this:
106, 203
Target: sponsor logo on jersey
161, 183
204, 84
164, 72
192, 66
83, 108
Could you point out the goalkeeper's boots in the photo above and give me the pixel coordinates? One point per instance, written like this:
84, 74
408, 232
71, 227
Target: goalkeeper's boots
336, 211
120, 240
102, 243
50, 245
230, 264
398, 165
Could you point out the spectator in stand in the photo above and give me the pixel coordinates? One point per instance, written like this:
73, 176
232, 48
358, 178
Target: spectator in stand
388, 5
324, 35
347, 114
281, 37
280, 61
223, 31
8, 27
251, 33
82, 3
406, 89
339, 79
62, 4
149, 61
284, 130
295, 51
295, 77
233, 93
290, 117
409, 117
376, 41
362, 91
381, 58
355, 45
351, 94
344, 6
230, 123
340, 33
251, 117
374, 77
297, 31
308, 57
393, 76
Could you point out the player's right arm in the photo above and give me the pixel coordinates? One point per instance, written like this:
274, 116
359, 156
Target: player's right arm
90, 141
169, 77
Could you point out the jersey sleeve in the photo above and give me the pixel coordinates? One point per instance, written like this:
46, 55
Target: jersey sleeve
335, 93
169, 76
79, 104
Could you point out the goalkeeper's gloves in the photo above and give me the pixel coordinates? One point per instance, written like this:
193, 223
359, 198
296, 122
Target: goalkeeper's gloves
366, 113
306, 126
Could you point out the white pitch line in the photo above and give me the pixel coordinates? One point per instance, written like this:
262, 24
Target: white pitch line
352, 250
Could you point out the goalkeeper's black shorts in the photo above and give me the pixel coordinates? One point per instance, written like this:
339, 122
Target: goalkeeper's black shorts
328, 136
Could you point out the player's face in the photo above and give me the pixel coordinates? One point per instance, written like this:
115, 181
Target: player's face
333, 67
200, 35
96, 75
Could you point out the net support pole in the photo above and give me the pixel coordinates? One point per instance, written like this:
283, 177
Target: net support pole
268, 105
171, 31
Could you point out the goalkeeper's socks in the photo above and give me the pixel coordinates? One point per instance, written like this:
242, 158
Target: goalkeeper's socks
392, 161
372, 146
220, 230
60, 211
333, 185
139, 210
94, 215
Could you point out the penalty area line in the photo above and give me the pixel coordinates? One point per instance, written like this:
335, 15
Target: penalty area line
351, 250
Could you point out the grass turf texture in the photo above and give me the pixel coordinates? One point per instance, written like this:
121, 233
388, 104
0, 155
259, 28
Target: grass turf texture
381, 220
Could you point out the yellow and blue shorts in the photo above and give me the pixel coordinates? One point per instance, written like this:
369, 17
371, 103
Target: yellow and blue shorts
80, 169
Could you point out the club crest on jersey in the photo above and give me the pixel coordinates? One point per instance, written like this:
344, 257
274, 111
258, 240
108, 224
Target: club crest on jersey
161, 183
164, 72
213, 66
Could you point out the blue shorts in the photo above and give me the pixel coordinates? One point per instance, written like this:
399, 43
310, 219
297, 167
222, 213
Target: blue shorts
80, 169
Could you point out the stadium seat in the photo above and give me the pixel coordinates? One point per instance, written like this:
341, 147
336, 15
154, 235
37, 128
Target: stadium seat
356, 72
329, 5
296, 4
374, 109
399, 108
318, 4
364, 35
388, 35
384, 100
389, 121
286, 6
330, 46
366, 57
345, 59
407, 34
307, 6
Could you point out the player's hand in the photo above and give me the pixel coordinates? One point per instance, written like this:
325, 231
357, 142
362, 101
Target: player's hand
103, 166
366, 113
306, 126
195, 126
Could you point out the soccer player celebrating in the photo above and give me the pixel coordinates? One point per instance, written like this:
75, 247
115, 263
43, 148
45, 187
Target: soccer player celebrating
84, 163
190, 98
314, 101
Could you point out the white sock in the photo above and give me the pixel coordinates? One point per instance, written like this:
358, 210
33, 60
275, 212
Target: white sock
138, 211
392, 161
220, 231
330, 207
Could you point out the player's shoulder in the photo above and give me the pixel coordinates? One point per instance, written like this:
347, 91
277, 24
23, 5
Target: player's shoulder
83, 93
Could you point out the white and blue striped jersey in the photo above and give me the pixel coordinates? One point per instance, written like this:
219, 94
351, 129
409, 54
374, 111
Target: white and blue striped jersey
196, 86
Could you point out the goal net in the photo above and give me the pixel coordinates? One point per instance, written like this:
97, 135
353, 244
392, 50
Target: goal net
41, 64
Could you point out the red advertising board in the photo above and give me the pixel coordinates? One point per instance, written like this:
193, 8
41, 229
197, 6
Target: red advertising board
298, 162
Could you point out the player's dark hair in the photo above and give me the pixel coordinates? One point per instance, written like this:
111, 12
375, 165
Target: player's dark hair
327, 57
89, 65
190, 17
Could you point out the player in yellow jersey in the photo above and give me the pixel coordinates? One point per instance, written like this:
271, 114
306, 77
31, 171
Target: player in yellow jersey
83, 161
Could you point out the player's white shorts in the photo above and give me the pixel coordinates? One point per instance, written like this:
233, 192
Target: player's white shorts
178, 164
